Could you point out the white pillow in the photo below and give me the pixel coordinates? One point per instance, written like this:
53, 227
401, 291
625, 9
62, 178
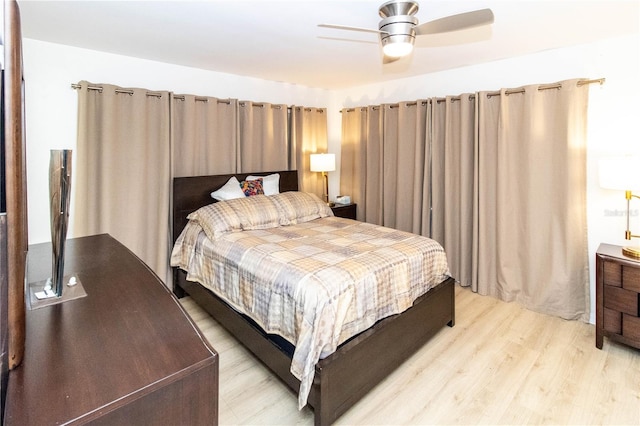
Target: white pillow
270, 183
229, 191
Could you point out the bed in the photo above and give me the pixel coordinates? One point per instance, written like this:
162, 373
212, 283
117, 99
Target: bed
359, 362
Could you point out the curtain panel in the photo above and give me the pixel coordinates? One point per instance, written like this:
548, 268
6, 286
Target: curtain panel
361, 161
122, 173
499, 179
404, 142
353, 157
453, 139
308, 136
532, 228
203, 135
263, 142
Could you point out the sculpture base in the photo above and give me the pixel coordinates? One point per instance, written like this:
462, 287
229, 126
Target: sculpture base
39, 297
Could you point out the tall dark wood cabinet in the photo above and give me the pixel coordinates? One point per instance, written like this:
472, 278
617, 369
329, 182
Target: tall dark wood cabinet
4, 366
13, 199
124, 354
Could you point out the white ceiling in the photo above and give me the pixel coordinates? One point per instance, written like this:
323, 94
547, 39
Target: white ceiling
280, 40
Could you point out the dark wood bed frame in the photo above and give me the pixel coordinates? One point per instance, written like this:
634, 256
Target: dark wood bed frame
359, 364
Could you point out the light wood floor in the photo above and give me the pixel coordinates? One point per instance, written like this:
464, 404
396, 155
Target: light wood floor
500, 364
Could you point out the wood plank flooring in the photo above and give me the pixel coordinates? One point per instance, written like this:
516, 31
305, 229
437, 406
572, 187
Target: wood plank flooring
500, 364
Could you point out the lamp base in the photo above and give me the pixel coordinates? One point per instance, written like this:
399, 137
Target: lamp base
631, 252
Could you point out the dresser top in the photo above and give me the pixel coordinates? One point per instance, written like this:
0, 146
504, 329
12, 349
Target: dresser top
128, 336
615, 251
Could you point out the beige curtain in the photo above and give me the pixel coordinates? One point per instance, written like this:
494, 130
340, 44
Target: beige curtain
122, 169
452, 181
404, 141
503, 187
532, 232
262, 137
353, 156
204, 135
374, 181
308, 136
361, 161
132, 142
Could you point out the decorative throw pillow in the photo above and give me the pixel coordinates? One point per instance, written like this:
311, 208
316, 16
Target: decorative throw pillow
252, 187
231, 190
270, 183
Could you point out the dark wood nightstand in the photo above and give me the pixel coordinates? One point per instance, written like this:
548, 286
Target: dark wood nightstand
617, 296
347, 211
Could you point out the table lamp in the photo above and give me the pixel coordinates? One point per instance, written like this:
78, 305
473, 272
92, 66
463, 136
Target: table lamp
323, 163
623, 173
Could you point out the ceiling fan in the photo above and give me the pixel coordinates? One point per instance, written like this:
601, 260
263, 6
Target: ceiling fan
399, 27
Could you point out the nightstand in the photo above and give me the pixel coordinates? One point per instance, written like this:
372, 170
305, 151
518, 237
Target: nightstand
347, 211
617, 296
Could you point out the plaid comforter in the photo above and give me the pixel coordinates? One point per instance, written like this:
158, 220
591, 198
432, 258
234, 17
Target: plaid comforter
315, 283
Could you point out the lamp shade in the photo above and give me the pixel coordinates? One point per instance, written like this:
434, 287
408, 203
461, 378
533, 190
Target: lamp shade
323, 162
622, 173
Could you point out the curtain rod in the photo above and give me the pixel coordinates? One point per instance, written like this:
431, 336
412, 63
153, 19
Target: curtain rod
149, 93
124, 91
260, 105
548, 86
202, 99
472, 96
197, 98
320, 110
278, 106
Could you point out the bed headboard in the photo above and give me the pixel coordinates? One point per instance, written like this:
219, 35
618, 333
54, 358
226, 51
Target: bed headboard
191, 193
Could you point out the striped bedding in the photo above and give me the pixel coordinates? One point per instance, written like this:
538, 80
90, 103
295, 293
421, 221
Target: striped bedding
315, 281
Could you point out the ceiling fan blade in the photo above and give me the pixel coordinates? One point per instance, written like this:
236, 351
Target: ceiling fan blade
352, 40
344, 27
457, 22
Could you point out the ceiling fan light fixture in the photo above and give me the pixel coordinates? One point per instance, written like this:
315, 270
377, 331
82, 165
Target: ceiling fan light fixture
397, 50
399, 26
397, 35
396, 7
397, 46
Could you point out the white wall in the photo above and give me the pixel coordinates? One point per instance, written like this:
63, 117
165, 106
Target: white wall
51, 106
614, 112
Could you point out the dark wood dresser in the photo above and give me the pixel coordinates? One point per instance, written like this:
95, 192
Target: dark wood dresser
126, 353
617, 296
